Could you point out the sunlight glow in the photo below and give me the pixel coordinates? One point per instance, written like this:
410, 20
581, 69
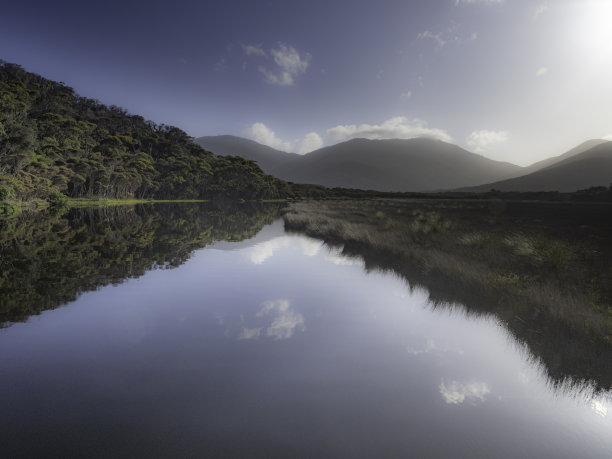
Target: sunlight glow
593, 31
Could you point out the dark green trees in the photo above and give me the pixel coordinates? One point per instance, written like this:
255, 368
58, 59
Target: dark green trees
52, 140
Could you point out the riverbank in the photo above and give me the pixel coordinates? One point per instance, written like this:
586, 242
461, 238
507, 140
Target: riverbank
543, 269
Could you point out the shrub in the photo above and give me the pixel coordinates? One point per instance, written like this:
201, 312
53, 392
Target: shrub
6, 193
58, 199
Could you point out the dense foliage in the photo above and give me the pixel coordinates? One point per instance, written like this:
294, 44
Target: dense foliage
54, 141
47, 259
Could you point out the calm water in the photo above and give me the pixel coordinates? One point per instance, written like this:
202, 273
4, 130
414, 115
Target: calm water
270, 346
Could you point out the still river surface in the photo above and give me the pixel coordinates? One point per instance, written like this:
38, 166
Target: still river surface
279, 346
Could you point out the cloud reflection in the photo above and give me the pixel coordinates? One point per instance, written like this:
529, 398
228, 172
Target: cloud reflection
599, 408
285, 319
457, 392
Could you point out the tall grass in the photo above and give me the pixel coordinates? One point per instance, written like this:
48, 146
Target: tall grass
524, 270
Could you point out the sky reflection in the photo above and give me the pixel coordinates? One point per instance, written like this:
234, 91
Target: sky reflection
295, 355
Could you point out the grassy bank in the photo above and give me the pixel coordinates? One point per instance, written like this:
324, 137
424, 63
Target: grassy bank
83, 202
543, 269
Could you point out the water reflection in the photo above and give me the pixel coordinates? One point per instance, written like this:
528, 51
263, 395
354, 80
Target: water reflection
283, 320
304, 353
48, 260
456, 392
543, 272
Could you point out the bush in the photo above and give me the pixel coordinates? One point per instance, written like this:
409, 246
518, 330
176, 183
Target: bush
6, 193
58, 199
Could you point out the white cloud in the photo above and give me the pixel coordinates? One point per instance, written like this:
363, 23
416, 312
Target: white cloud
284, 79
607, 137
540, 10
249, 333
406, 95
265, 136
312, 141
288, 59
290, 65
398, 127
253, 50
285, 320
457, 392
541, 71
479, 141
437, 37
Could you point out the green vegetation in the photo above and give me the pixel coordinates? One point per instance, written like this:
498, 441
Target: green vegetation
543, 269
48, 258
56, 145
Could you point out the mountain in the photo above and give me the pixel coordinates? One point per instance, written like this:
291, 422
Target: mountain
55, 143
592, 167
584, 146
420, 164
228, 145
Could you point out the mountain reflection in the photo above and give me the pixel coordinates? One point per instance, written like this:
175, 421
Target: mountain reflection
47, 260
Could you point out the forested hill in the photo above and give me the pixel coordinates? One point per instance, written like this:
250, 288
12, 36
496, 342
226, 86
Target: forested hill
54, 141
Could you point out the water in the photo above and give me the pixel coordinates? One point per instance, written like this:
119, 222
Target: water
273, 345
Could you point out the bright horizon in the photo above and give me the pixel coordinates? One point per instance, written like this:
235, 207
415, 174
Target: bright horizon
516, 81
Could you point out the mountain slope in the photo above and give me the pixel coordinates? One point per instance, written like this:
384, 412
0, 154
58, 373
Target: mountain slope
54, 142
394, 165
229, 145
587, 169
584, 146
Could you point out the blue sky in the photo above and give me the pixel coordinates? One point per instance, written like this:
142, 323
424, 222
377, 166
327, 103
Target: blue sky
514, 80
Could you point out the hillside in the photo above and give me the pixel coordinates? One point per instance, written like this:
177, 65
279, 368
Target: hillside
394, 165
584, 146
385, 165
53, 141
580, 171
228, 145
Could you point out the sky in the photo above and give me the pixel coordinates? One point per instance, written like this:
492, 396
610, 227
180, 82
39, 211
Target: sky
513, 80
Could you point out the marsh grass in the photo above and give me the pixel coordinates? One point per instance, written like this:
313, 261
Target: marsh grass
541, 276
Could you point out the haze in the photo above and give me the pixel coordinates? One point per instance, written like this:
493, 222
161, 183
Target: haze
513, 80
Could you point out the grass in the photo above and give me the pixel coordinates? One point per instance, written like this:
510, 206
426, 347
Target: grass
543, 269
86, 202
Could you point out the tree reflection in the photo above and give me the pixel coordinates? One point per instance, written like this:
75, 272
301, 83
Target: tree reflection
46, 260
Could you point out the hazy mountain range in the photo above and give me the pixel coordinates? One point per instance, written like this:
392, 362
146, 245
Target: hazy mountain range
422, 164
582, 167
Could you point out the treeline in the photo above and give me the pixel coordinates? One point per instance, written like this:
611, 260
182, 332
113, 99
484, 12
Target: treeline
54, 141
593, 194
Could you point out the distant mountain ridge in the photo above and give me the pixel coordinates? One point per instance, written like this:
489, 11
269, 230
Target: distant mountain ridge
230, 145
548, 162
420, 164
586, 169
